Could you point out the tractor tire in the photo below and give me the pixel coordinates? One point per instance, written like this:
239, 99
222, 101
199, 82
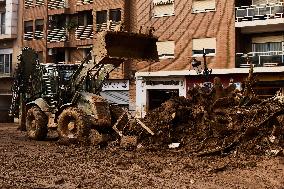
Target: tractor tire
36, 124
73, 126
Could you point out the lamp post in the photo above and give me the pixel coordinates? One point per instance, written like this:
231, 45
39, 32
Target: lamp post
197, 66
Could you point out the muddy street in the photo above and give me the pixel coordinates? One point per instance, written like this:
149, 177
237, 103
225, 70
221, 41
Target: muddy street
48, 164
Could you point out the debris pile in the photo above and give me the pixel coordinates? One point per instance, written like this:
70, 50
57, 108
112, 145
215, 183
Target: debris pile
216, 121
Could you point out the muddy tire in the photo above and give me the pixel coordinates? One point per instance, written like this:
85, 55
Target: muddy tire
36, 124
73, 126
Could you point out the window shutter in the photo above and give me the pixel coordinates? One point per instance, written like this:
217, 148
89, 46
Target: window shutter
166, 48
163, 8
267, 39
203, 5
206, 43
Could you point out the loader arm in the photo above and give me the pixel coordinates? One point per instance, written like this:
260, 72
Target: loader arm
111, 49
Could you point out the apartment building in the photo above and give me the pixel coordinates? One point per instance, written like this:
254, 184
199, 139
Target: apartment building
9, 49
62, 31
231, 33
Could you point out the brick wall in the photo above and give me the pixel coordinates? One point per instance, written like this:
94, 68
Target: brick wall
185, 26
182, 28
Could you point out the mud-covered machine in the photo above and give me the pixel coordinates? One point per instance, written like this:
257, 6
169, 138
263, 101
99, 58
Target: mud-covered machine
66, 96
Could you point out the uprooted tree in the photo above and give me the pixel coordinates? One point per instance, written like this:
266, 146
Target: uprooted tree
223, 120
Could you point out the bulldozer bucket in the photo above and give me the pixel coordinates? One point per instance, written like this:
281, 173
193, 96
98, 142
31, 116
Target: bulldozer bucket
114, 46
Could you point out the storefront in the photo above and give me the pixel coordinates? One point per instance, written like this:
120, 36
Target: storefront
152, 89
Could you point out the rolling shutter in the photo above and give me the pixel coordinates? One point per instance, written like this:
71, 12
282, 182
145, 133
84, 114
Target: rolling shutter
117, 97
163, 8
166, 49
262, 2
206, 43
203, 5
267, 39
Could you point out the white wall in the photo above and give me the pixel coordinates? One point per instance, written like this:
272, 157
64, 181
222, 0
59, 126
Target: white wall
11, 17
141, 91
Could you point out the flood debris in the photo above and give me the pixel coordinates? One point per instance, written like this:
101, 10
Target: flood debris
218, 121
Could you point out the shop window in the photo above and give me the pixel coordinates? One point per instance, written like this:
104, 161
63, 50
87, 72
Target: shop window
38, 29
204, 44
5, 63
163, 8
101, 17
28, 30
115, 15
203, 6
166, 49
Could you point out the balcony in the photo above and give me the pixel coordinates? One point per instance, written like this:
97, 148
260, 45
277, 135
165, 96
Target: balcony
84, 2
38, 34
260, 59
57, 4
266, 14
84, 32
28, 36
29, 4
57, 35
39, 2
110, 26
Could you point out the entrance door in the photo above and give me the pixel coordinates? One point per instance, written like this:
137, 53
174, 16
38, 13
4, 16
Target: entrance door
158, 96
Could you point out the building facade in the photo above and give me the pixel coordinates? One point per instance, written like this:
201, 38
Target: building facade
231, 33
9, 49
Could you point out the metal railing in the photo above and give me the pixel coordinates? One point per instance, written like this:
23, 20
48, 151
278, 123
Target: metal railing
261, 12
84, 2
260, 59
57, 35
57, 4
84, 32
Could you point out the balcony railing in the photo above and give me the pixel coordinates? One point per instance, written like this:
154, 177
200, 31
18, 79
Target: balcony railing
38, 34
84, 32
262, 12
84, 2
28, 4
57, 35
57, 4
28, 36
107, 26
39, 2
260, 59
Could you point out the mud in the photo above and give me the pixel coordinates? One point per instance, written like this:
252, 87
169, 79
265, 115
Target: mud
46, 164
217, 121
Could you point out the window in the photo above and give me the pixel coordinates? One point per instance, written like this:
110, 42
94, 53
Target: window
166, 49
268, 43
101, 17
28, 30
115, 15
38, 29
203, 6
5, 63
208, 44
163, 8
2, 20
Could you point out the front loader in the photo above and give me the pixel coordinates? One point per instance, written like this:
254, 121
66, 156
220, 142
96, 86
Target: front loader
66, 96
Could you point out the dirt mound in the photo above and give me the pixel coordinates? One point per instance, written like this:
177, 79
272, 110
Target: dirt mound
205, 124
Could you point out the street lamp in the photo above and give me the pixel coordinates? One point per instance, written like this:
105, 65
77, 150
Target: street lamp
198, 67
